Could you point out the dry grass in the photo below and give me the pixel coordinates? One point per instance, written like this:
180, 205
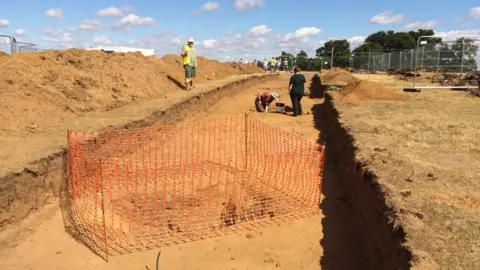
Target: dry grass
391, 82
427, 151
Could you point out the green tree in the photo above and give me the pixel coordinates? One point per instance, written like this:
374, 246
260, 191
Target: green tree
369, 47
341, 52
451, 55
290, 58
382, 38
391, 40
402, 41
302, 60
424, 32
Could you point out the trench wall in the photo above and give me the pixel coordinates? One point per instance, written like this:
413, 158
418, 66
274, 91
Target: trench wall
382, 238
22, 193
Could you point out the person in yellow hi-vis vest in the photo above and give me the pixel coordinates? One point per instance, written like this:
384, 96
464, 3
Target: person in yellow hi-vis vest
189, 54
272, 64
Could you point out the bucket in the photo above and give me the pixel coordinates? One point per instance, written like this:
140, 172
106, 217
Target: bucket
280, 107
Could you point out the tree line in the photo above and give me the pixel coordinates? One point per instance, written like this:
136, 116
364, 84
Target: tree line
461, 52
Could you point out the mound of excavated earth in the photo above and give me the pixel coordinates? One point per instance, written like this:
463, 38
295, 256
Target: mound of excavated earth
42, 88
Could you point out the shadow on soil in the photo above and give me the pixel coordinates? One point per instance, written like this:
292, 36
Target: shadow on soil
71, 225
316, 89
341, 243
359, 225
176, 82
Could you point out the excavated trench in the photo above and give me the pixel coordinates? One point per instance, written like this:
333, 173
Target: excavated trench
371, 216
383, 242
22, 193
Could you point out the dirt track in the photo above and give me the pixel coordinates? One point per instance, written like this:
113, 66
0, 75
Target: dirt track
318, 242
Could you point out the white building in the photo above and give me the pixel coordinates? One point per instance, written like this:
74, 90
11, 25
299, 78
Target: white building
123, 49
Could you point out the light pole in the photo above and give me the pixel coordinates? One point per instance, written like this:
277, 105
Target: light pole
331, 60
411, 59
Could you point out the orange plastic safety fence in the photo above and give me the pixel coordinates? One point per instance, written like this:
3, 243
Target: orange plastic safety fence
142, 188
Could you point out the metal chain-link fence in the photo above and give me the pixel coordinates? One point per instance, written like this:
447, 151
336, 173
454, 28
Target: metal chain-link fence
453, 56
11, 45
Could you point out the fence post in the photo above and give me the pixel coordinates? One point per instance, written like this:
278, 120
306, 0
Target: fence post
368, 63
411, 59
331, 60
103, 208
438, 59
389, 59
463, 51
68, 179
383, 62
400, 60
423, 55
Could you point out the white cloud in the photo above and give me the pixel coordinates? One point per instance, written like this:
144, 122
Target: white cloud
61, 39
244, 45
110, 12
210, 44
474, 13
54, 13
127, 9
131, 20
386, 18
160, 40
245, 5
4, 23
102, 40
90, 25
421, 25
178, 40
21, 32
458, 33
356, 41
208, 7
65, 39
259, 30
302, 33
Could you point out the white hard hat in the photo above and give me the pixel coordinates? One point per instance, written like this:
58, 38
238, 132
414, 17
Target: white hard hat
190, 40
276, 96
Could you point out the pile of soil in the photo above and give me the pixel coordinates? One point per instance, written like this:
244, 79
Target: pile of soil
438, 78
338, 76
405, 74
470, 79
355, 92
38, 89
3, 54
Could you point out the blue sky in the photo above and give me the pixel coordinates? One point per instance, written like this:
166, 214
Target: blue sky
227, 28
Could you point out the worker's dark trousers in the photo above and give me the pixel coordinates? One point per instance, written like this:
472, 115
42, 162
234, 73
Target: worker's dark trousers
297, 106
260, 106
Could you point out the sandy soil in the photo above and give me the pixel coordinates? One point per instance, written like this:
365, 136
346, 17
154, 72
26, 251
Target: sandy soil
40, 90
427, 151
323, 241
19, 148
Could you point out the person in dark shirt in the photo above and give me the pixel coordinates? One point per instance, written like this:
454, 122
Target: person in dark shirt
296, 88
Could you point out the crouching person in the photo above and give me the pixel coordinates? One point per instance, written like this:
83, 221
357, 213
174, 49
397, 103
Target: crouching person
262, 101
